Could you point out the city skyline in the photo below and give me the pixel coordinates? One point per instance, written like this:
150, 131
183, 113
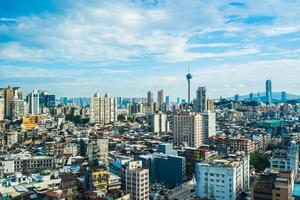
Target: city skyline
72, 49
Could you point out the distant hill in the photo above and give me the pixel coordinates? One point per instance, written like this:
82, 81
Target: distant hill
276, 96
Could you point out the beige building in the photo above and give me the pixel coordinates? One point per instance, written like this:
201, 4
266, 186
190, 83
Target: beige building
187, 128
103, 110
1, 108
137, 181
193, 128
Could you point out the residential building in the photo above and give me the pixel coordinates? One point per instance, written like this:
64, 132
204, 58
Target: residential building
103, 110
272, 185
1, 108
17, 108
208, 125
286, 158
231, 144
136, 181
158, 122
97, 151
26, 163
222, 177
187, 128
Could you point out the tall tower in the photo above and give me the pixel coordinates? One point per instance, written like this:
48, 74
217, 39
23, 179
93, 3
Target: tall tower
188, 78
269, 91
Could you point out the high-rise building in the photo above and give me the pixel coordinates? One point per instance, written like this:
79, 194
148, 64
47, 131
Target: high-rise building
201, 100
42, 98
8, 96
17, 108
34, 102
283, 96
63, 101
160, 98
103, 110
137, 181
269, 91
187, 128
150, 98
251, 97
208, 125
222, 177
210, 105
237, 98
137, 108
167, 103
158, 122
1, 108
97, 151
286, 159
50, 101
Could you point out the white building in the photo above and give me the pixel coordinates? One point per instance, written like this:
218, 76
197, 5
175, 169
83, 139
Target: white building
158, 122
208, 125
103, 110
223, 178
137, 181
34, 102
27, 164
286, 159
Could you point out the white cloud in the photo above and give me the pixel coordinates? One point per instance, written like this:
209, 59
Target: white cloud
125, 31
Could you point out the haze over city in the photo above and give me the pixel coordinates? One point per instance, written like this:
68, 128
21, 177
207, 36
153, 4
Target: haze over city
75, 48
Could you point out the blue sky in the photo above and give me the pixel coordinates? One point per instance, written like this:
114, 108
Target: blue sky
127, 47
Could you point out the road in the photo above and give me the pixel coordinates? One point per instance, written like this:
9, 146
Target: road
183, 192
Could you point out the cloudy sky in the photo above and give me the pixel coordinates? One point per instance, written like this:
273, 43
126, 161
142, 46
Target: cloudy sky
126, 47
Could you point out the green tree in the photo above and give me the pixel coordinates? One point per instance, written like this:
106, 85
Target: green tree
259, 161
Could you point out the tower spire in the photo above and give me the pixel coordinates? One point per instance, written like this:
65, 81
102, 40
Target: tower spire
188, 78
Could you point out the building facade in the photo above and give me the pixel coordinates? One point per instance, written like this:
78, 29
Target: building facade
222, 178
187, 128
103, 109
137, 181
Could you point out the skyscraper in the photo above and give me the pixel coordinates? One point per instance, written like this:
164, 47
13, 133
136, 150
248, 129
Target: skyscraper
150, 98
160, 98
34, 102
283, 96
237, 98
268, 91
188, 78
201, 100
167, 103
251, 97
8, 96
103, 110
